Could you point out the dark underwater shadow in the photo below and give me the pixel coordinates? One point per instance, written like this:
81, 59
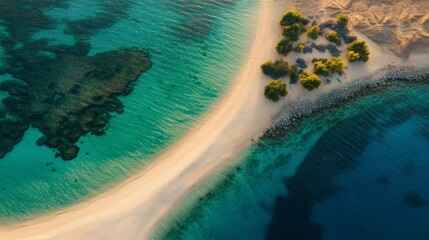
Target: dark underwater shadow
59, 89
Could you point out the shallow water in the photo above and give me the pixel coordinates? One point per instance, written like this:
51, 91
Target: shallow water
357, 171
196, 48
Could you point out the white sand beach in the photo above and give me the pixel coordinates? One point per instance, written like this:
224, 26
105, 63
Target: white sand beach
132, 210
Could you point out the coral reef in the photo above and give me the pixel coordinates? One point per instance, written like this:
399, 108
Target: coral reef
60, 90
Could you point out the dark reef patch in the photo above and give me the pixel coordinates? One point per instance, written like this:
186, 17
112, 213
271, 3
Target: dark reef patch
111, 12
59, 89
198, 16
414, 200
11, 133
23, 18
198, 27
71, 95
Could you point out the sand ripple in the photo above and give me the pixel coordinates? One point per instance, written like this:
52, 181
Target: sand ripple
402, 26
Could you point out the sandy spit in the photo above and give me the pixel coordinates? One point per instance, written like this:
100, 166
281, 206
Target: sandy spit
131, 210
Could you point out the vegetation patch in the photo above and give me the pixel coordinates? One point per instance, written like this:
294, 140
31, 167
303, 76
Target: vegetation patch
294, 75
321, 68
358, 51
336, 65
292, 32
336, 31
299, 48
275, 89
313, 32
284, 47
291, 17
343, 20
310, 81
275, 70
333, 37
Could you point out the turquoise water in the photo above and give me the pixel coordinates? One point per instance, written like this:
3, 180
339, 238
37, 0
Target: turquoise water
196, 48
357, 171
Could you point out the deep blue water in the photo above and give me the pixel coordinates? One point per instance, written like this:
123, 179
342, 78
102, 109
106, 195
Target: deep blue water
357, 171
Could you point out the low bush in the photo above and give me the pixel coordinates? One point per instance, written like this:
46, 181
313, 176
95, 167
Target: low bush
275, 69
343, 19
333, 37
275, 89
336, 65
284, 47
291, 17
320, 68
292, 32
358, 51
310, 81
299, 48
313, 32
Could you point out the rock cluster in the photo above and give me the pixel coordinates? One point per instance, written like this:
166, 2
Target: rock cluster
294, 110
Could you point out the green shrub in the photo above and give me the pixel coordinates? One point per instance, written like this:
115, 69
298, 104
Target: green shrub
275, 69
320, 68
343, 19
284, 47
333, 37
275, 89
299, 48
291, 17
313, 32
353, 56
293, 74
310, 81
358, 51
292, 32
336, 65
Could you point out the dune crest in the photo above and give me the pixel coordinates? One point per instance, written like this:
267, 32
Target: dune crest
401, 26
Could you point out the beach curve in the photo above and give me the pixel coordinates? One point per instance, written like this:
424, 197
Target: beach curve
132, 209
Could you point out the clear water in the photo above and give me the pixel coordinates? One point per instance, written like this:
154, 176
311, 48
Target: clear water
192, 66
358, 171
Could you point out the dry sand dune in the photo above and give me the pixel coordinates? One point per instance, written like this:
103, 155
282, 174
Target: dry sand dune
402, 26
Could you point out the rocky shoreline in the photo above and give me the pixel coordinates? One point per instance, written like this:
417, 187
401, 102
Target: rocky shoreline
292, 111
